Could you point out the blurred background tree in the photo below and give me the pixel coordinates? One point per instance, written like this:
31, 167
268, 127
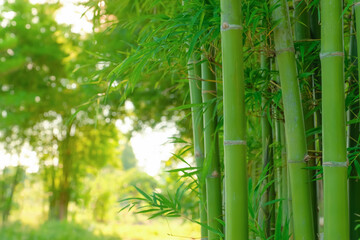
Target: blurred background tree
65, 158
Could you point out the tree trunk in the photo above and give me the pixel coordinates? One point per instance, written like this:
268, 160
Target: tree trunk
9, 199
64, 188
53, 206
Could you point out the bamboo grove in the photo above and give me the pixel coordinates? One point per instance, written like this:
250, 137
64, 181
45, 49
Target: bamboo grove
274, 97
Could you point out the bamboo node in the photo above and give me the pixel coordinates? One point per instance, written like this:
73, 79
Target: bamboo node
289, 49
331, 54
295, 161
198, 154
234, 142
226, 26
336, 164
215, 174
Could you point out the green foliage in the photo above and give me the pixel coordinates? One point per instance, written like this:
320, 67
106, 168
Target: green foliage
62, 93
46, 104
357, 221
256, 193
158, 204
281, 233
103, 191
27, 86
128, 157
175, 196
50, 230
10, 178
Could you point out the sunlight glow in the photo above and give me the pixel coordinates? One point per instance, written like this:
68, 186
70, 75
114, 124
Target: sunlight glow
71, 13
27, 158
151, 147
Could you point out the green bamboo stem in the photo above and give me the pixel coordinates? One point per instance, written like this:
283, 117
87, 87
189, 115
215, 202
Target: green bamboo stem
285, 186
316, 84
267, 212
277, 156
277, 160
236, 192
254, 170
281, 162
302, 33
294, 124
194, 72
315, 34
212, 159
336, 212
353, 136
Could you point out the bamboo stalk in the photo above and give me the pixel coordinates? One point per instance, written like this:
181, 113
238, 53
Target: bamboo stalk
336, 212
213, 175
316, 84
294, 124
281, 162
194, 72
236, 192
315, 34
285, 186
302, 32
267, 212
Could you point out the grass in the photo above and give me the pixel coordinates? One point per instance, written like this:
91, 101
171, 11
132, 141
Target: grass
160, 229
29, 215
50, 231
